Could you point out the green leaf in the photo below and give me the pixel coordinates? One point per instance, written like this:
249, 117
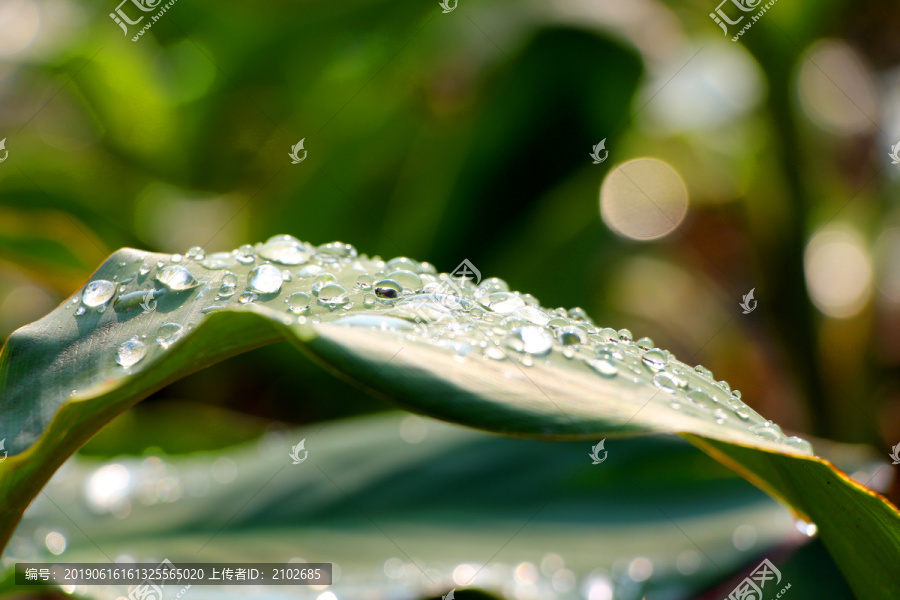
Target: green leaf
443, 497
481, 357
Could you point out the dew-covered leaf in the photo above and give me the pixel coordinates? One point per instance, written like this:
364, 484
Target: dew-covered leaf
472, 353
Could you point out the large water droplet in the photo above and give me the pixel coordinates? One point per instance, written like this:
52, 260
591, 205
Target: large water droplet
333, 295
655, 359
265, 279
130, 353
177, 278
298, 302
168, 334
98, 292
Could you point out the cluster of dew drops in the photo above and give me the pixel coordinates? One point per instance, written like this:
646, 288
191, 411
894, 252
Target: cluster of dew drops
482, 320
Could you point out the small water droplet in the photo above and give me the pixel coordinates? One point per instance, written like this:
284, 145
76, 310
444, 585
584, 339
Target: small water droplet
534, 340
502, 302
603, 366
569, 336
321, 281
229, 285
245, 254
491, 285
286, 275
177, 278
388, 289
495, 353
309, 271
704, 372
369, 300
720, 415
98, 292
768, 430
625, 335
409, 281
404, 263
212, 264
724, 385
335, 251
144, 269
365, 281
286, 251
645, 343
168, 334
608, 334
699, 397
333, 295
655, 359
668, 382
130, 353
265, 279
195, 253
298, 302
248, 298
799, 444
80, 310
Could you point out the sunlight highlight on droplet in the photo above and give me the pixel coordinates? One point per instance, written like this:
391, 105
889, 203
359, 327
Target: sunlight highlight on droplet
838, 272
107, 487
643, 199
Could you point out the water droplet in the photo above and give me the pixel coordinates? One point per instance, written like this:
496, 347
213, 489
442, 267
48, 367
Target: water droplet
288, 251
704, 372
806, 528
725, 387
388, 289
699, 397
248, 298
534, 340
645, 343
214, 265
333, 295
229, 285
245, 254
80, 310
742, 413
768, 430
130, 353
168, 334
502, 302
335, 251
265, 279
298, 302
668, 382
409, 281
369, 300
608, 334
569, 336
655, 359
195, 253
495, 353
625, 335
144, 269
736, 394
578, 314
177, 278
603, 366
177, 258
404, 263
365, 281
491, 285
720, 415
142, 299
98, 292
286, 275
309, 271
799, 444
